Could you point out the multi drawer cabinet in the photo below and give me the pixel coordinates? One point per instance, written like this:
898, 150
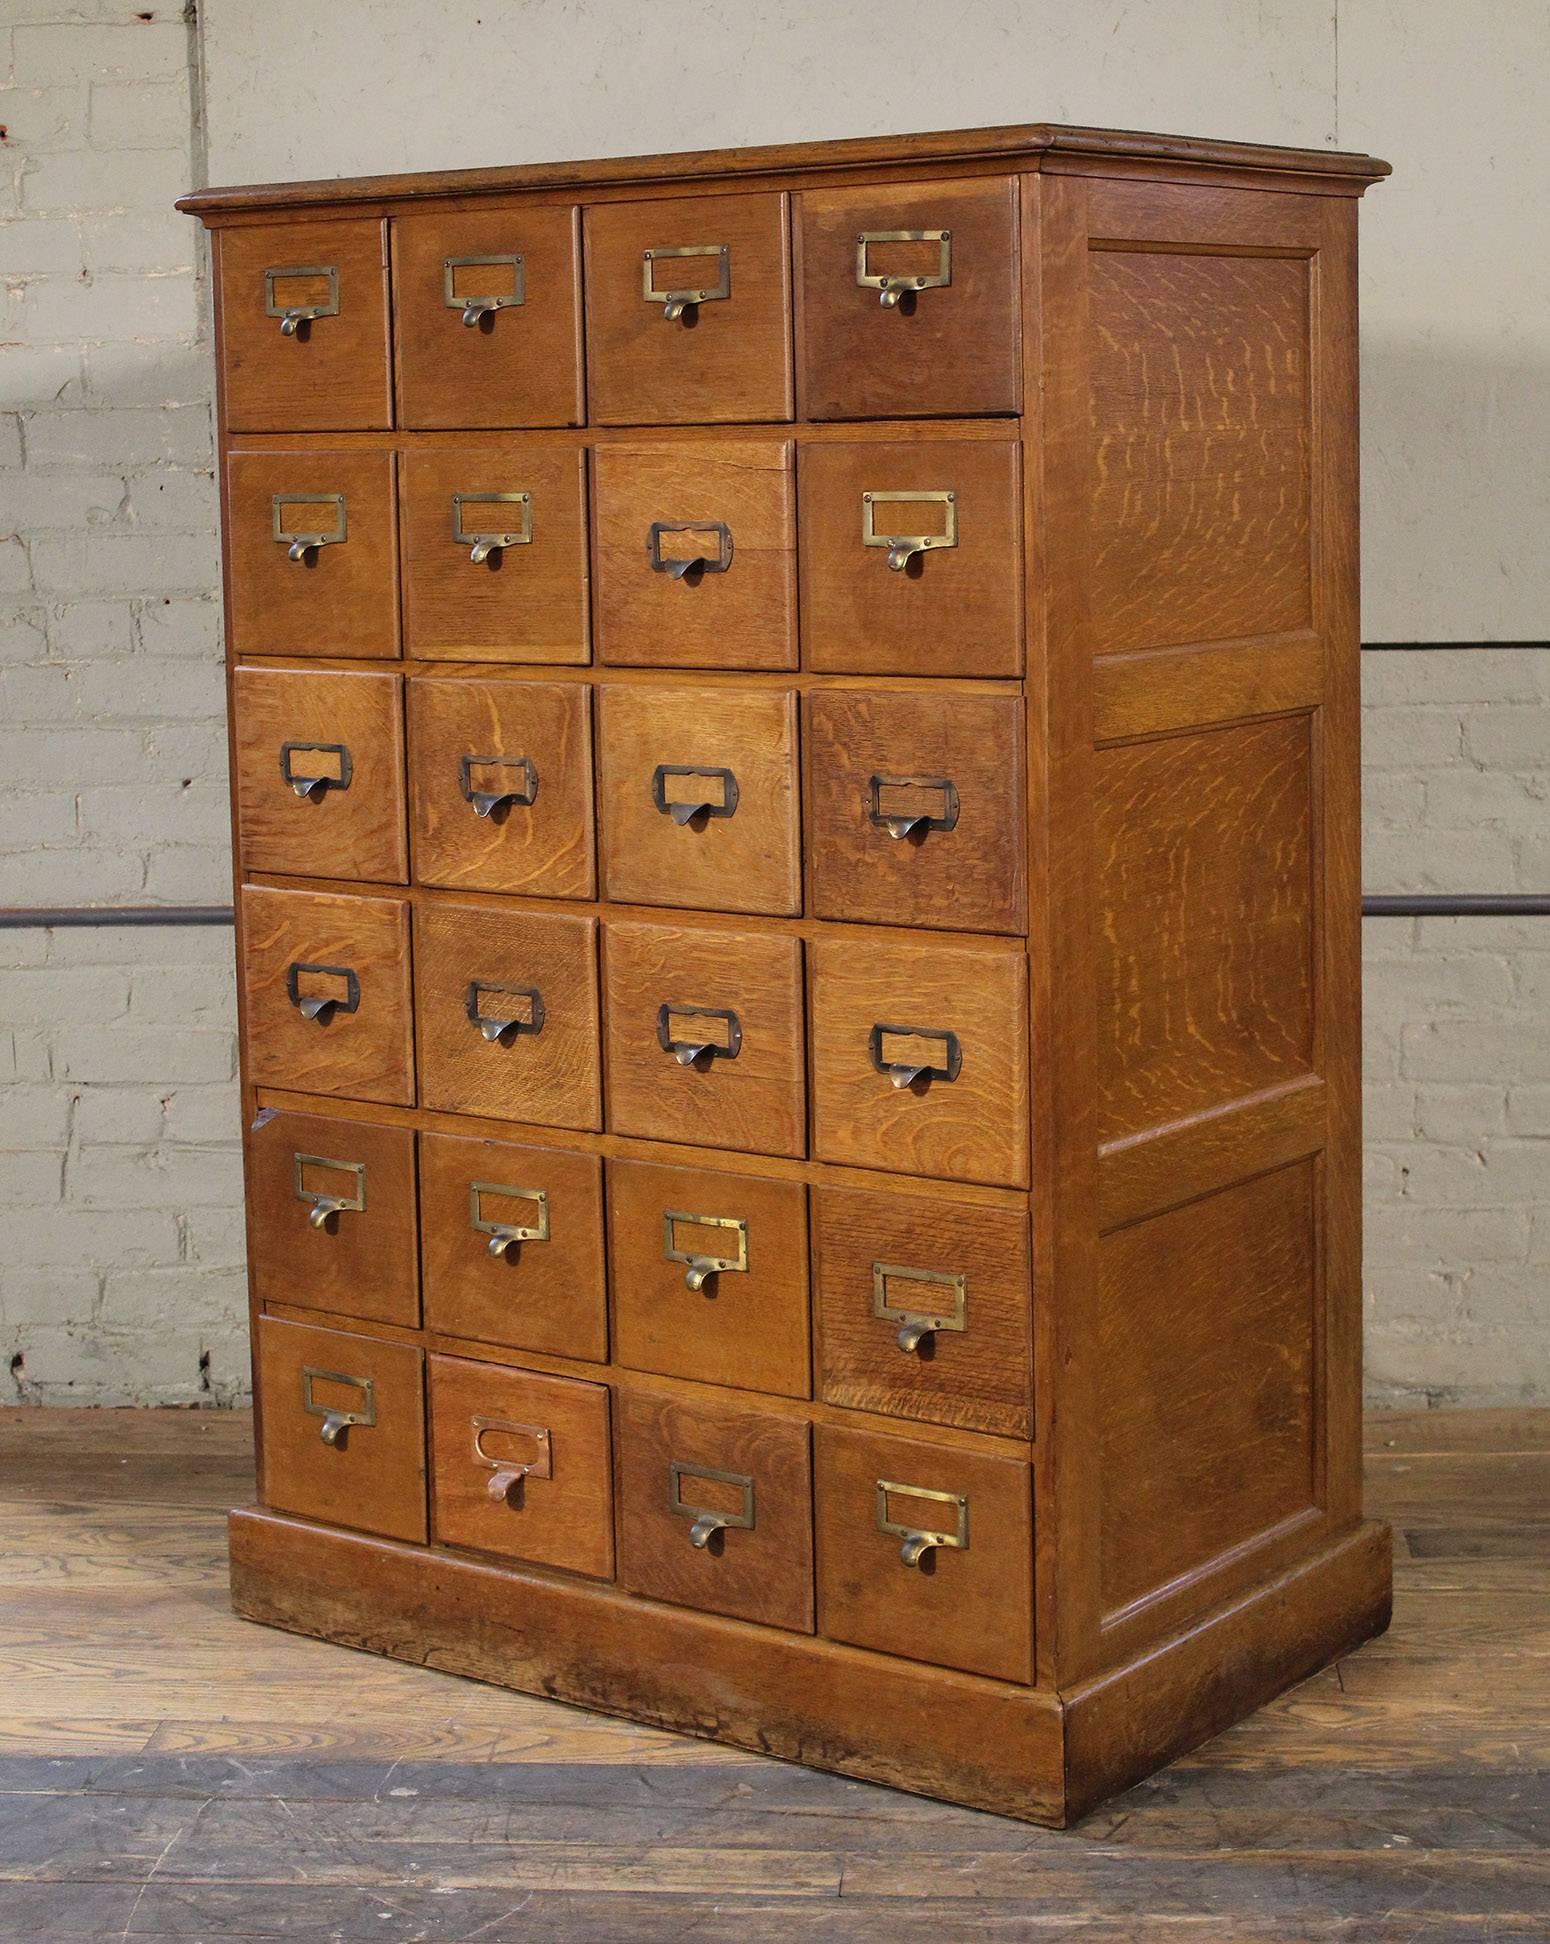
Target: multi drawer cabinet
794, 743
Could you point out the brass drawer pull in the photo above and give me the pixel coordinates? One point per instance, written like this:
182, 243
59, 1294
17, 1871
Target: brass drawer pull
506, 1236
677, 565
314, 782
697, 1035
895, 804
301, 542
321, 1006
482, 542
684, 793
476, 308
335, 1427
323, 1207
917, 1324
699, 1265
519, 1009
707, 1523
917, 1058
296, 316
677, 301
903, 547
509, 1475
486, 802
893, 286
919, 1541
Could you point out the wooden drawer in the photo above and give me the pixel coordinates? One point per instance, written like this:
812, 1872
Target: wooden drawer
699, 798
953, 609
487, 306
320, 773
469, 599
737, 996
917, 812
326, 983
512, 1241
920, 1059
964, 1602
727, 357
304, 326
709, 1276
715, 1508
344, 1428
501, 785
332, 1216
312, 554
522, 1465
915, 326
696, 554
924, 1309
507, 1014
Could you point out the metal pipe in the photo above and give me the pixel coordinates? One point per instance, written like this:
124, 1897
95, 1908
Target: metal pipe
52, 917
1458, 904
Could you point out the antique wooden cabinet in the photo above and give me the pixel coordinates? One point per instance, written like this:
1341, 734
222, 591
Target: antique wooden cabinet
795, 756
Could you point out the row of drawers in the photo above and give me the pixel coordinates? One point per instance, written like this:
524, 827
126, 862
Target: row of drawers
910, 554
906, 306
918, 1052
914, 1306
915, 815
911, 1547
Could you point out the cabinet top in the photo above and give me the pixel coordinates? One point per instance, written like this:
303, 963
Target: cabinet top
1027, 146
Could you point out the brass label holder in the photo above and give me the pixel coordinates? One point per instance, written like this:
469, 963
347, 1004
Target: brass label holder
905, 1066
686, 297
314, 782
716, 1034
506, 1236
335, 1428
713, 792
699, 1265
321, 1006
707, 1523
918, 1323
485, 802
322, 1206
677, 565
302, 542
504, 1027
482, 541
509, 1475
908, 819
902, 547
474, 308
920, 1541
892, 286
294, 316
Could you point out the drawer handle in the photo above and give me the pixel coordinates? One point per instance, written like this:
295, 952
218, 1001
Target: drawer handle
920, 1542
296, 318
476, 309
685, 793
505, 1025
706, 1522
509, 1475
314, 782
302, 542
681, 302
321, 1006
905, 1065
911, 818
895, 291
917, 1324
903, 547
716, 1034
700, 1266
324, 1207
335, 1427
506, 1236
486, 802
483, 542
678, 566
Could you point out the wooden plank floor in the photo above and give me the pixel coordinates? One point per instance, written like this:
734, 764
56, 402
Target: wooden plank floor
169, 1772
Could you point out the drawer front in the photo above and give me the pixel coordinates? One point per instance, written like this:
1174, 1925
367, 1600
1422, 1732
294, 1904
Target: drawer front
495, 554
522, 1465
917, 325
709, 1275
304, 326
326, 981
925, 1551
512, 1242
696, 554
917, 811
312, 554
654, 357
344, 1428
501, 785
320, 773
699, 798
488, 316
924, 1309
705, 1037
874, 599
507, 1014
715, 1509
331, 1207
920, 1059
